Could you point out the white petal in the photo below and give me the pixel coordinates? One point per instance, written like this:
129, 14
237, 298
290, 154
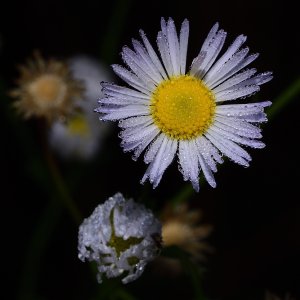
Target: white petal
212, 150
125, 100
153, 55
114, 90
235, 138
235, 80
256, 80
144, 143
153, 148
254, 134
206, 171
188, 160
130, 146
167, 160
123, 112
211, 77
235, 94
139, 145
132, 79
231, 145
237, 124
183, 44
152, 68
135, 121
226, 56
163, 25
246, 61
211, 54
163, 47
210, 37
132, 134
173, 46
204, 150
137, 65
227, 148
259, 79
238, 110
161, 161
255, 118
198, 63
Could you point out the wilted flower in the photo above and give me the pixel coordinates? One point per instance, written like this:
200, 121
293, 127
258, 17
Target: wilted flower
168, 110
80, 134
181, 227
121, 236
46, 89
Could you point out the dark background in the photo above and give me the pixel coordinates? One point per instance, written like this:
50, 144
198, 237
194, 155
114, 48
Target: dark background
255, 211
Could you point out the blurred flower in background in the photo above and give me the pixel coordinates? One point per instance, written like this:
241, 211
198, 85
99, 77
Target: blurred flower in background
169, 110
181, 227
80, 135
270, 296
121, 236
46, 88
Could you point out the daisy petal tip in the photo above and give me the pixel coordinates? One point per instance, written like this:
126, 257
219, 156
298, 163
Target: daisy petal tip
216, 26
134, 158
142, 181
185, 22
267, 104
196, 186
213, 184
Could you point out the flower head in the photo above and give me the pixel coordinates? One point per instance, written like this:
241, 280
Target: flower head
79, 135
46, 89
121, 236
181, 228
168, 110
270, 296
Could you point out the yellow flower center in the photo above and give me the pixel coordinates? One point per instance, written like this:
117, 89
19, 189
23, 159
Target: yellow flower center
48, 90
183, 107
78, 125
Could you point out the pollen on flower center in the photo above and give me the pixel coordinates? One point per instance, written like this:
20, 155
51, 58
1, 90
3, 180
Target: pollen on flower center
183, 107
48, 90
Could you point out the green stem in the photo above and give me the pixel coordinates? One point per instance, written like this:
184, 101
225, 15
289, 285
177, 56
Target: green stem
286, 97
63, 193
183, 194
115, 27
37, 245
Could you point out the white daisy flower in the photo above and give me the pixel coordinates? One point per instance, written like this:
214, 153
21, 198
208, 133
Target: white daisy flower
80, 135
121, 236
170, 111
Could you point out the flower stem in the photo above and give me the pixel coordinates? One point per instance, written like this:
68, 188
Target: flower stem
284, 99
37, 244
61, 188
115, 27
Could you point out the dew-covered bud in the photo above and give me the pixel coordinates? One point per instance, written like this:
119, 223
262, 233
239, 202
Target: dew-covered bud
121, 236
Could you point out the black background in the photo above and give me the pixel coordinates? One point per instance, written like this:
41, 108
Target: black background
255, 211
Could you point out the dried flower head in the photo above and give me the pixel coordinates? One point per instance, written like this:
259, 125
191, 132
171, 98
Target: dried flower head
121, 236
180, 227
46, 89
